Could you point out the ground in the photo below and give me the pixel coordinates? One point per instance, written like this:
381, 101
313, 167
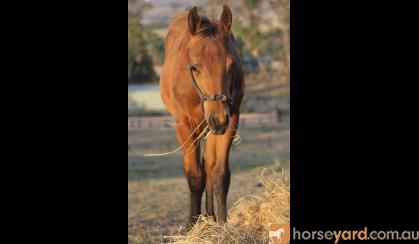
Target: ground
157, 189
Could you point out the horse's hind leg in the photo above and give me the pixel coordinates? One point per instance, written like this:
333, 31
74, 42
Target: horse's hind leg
194, 173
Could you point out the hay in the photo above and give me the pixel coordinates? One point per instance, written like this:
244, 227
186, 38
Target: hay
207, 231
249, 218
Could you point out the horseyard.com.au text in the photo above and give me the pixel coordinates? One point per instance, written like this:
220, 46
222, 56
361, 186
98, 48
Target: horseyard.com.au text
363, 234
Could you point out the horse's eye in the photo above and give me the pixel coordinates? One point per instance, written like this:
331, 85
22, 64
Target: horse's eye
194, 68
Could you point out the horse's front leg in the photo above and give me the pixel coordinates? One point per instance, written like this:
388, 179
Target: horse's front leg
209, 164
193, 172
221, 171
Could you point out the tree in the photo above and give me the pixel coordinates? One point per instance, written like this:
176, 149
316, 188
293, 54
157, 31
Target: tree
140, 63
282, 7
261, 25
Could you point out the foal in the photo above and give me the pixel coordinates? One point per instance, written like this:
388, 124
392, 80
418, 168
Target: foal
202, 85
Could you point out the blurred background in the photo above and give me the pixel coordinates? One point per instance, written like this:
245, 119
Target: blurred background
157, 189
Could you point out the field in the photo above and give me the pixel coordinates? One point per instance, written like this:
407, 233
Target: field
157, 189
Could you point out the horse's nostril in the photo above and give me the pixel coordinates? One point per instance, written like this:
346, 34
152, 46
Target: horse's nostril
211, 120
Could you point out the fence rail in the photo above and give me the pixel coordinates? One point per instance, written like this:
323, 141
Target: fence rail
246, 120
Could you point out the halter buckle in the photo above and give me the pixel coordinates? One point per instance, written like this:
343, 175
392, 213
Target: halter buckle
202, 96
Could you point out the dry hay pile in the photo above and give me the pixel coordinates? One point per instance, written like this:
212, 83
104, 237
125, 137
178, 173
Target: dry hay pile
249, 218
208, 231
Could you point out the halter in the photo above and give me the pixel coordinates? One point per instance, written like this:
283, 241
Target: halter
212, 97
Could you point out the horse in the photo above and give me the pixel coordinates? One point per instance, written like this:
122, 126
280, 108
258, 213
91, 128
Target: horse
278, 234
202, 87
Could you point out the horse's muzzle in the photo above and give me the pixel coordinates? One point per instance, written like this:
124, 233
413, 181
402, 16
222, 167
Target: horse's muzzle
218, 127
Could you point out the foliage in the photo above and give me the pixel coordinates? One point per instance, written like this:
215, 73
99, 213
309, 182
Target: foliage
261, 28
140, 63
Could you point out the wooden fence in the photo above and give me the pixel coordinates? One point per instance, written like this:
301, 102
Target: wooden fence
246, 120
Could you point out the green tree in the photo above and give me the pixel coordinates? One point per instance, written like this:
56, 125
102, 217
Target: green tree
140, 63
262, 26
155, 46
282, 7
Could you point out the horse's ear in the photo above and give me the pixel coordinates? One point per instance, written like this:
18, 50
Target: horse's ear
226, 19
193, 20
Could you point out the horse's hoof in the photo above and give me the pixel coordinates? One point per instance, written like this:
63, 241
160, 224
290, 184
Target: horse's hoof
212, 217
189, 225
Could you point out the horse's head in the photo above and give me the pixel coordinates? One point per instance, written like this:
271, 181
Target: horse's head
212, 64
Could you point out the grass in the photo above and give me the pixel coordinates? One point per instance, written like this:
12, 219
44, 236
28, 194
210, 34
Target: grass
259, 147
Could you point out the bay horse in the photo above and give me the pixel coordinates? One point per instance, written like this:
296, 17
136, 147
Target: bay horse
202, 86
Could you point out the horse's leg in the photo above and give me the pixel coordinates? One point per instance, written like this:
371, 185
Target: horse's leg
209, 163
193, 171
221, 171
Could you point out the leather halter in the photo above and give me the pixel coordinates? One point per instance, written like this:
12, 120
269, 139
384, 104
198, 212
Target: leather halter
212, 97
